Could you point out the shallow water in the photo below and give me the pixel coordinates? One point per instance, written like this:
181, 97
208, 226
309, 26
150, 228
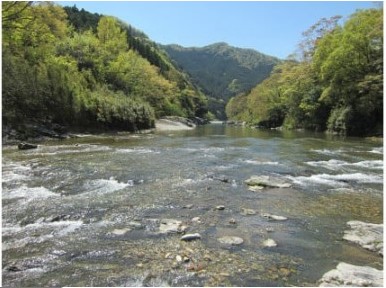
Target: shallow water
86, 211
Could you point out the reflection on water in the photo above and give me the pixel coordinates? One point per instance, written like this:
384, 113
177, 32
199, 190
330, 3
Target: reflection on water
86, 211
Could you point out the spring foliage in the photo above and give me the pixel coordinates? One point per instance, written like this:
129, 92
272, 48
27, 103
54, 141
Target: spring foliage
337, 85
87, 70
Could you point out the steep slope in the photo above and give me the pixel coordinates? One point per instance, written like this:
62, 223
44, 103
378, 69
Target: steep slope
222, 71
85, 70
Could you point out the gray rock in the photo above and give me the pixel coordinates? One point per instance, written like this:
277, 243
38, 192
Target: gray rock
230, 240
245, 211
351, 275
367, 235
171, 226
274, 217
267, 182
220, 207
135, 225
190, 237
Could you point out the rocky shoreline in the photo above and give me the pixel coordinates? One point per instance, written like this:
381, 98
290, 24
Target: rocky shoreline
370, 237
37, 131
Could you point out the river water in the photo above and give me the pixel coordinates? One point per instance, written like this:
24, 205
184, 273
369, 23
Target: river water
86, 211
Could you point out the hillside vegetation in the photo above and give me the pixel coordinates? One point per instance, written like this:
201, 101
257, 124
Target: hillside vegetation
222, 71
74, 68
336, 86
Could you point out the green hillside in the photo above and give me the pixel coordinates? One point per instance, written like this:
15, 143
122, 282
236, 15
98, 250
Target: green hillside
222, 71
84, 70
336, 85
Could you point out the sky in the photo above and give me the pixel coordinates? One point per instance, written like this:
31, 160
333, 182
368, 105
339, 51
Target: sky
271, 27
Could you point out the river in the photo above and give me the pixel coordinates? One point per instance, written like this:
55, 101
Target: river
86, 211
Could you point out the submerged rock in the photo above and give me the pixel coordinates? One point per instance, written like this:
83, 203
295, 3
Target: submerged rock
351, 275
266, 182
367, 235
231, 240
171, 226
26, 146
246, 211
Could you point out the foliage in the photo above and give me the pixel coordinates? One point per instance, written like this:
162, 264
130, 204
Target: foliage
337, 85
85, 75
222, 71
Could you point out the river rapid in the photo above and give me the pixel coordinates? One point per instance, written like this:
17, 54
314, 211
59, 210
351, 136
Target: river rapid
86, 211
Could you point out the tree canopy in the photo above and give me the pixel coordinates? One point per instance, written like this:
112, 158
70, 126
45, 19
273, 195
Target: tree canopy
85, 70
337, 85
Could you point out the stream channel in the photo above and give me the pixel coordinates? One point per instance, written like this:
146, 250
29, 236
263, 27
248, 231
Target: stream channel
86, 211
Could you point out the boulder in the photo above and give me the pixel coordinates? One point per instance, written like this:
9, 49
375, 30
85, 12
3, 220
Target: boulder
367, 235
267, 182
26, 146
351, 275
230, 240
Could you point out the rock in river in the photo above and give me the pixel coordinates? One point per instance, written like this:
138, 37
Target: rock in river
269, 243
367, 235
267, 182
274, 217
26, 146
231, 240
171, 226
190, 237
351, 275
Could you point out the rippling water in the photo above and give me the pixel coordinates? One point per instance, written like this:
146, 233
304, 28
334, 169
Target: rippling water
86, 211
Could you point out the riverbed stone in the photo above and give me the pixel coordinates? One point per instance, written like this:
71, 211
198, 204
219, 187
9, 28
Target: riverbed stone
269, 243
230, 240
267, 182
246, 212
274, 217
26, 146
367, 235
350, 275
171, 226
190, 237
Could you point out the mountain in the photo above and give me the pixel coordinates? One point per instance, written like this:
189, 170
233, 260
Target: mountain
222, 71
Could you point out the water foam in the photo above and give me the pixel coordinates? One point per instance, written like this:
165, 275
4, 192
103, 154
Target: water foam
103, 186
28, 193
334, 164
339, 180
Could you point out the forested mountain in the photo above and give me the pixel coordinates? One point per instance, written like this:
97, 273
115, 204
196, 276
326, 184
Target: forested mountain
222, 71
74, 68
337, 85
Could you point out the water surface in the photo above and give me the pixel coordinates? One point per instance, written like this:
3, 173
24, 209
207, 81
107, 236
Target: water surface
86, 211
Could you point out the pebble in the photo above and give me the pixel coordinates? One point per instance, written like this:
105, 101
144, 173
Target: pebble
120, 231
232, 221
190, 237
220, 207
246, 212
188, 206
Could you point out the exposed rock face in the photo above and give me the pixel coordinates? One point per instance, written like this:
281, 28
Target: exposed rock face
267, 182
368, 235
351, 275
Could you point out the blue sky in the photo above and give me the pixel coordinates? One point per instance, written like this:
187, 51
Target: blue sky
274, 28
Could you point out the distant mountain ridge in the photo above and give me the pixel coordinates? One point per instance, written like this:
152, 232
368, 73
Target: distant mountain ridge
222, 71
